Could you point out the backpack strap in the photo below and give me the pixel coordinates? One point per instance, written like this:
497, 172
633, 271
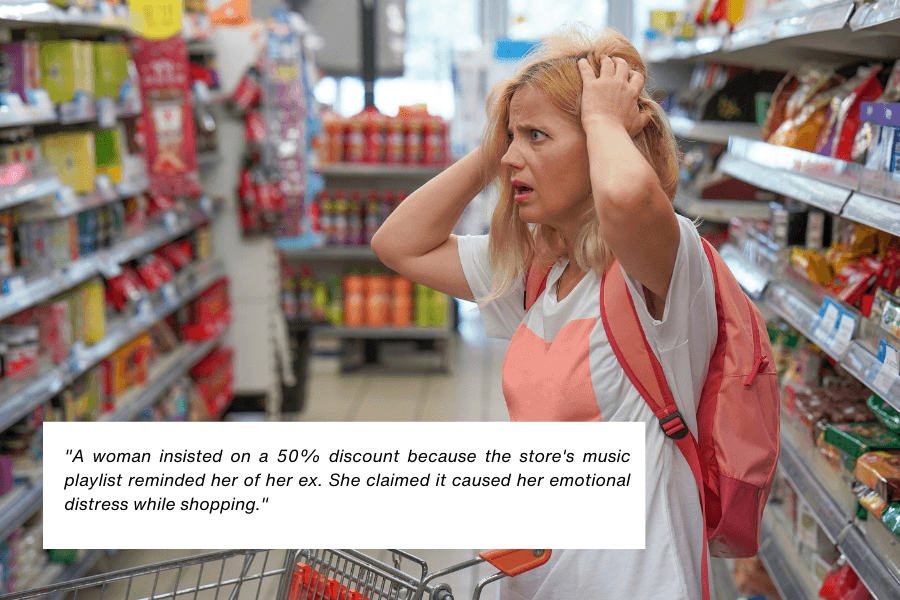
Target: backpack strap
630, 345
535, 283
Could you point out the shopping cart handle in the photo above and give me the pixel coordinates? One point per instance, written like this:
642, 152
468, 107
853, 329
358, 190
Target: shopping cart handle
514, 562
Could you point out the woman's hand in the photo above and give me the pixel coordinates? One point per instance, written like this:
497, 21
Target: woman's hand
612, 97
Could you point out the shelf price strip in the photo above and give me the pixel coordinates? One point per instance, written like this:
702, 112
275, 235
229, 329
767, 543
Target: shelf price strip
881, 374
833, 327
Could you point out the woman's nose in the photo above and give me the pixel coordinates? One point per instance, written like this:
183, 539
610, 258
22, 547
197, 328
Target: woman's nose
512, 158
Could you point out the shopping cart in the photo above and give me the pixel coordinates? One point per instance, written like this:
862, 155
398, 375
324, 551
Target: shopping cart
284, 575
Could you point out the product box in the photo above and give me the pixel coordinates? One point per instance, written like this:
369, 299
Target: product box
127, 367
110, 68
855, 439
108, 149
881, 472
83, 401
73, 155
92, 296
67, 68
20, 67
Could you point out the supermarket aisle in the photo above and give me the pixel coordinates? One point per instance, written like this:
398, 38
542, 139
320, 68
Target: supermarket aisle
471, 392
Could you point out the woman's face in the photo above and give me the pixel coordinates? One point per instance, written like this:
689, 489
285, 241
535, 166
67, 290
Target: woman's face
548, 159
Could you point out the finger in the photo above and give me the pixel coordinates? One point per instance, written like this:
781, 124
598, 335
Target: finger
587, 72
607, 66
638, 125
622, 68
636, 80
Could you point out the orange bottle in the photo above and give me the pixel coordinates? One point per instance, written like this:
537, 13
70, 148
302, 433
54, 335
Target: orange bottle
402, 307
334, 126
378, 300
354, 300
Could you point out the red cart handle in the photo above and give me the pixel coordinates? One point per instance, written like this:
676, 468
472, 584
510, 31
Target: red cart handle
514, 562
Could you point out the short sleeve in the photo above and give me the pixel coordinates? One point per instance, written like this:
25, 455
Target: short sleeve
685, 336
501, 317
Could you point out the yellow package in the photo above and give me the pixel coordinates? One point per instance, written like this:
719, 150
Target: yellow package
813, 264
94, 313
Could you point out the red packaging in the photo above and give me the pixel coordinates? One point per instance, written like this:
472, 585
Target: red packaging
374, 130
852, 281
122, 289
849, 119
415, 138
214, 378
248, 93
168, 117
254, 127
355, 140
435, 141
395, 142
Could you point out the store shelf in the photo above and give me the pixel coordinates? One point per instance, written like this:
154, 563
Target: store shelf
883, 582
66, 203
713, 131
330, 253
26, 14
17, 403
875, 212
28, 190
779, 557
392, 333
44, 287
24, 500
379, 171
162, 376
780, 41
800, 311
752, 278
878, 16
719, 211
864, 365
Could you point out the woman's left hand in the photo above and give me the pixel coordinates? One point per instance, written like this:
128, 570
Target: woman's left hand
612, 98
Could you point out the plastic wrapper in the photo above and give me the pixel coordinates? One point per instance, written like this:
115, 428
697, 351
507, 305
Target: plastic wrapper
869, 499
852, 281
776, 114
842, 120
880, 471
891, 517
813, 264
843, 584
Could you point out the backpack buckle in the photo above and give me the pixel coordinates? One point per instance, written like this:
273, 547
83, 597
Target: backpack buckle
674, 426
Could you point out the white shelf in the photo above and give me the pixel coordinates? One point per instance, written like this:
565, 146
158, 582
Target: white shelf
327, 253
868, 210
879, 578
713, 131
380, 171
24, 13
752, 278
24, 501
719, 211
781, 41
26, 191
162, 376
390, 333
779, 556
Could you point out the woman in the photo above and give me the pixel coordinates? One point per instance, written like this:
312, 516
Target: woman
587, 169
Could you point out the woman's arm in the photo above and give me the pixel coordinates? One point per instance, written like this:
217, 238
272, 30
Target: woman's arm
416, 241
636, 216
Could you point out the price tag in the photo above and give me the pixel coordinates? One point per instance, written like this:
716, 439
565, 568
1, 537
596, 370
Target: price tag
170, 220
109, 268
846, 327
829, 313
106, 188
107, 113
15, 109
170, 293
890, 366
156, 19
13, 284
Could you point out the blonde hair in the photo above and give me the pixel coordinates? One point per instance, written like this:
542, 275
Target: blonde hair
552, 68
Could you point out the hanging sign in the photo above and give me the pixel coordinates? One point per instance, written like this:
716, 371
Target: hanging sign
156, 19
167, 119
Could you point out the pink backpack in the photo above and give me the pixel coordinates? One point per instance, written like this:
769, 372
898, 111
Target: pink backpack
735, 453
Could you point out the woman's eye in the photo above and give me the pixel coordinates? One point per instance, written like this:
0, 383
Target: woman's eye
537, 135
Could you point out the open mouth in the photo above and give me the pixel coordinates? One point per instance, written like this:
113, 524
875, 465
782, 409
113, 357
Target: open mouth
520, 191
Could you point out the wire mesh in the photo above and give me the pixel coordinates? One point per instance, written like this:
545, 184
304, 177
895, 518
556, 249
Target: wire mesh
224, 575
325, 574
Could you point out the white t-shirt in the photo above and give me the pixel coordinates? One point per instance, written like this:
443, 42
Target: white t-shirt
683, 341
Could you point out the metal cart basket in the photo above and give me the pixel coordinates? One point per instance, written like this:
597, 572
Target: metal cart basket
283, 575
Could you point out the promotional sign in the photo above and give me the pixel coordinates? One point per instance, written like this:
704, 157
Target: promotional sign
167, 120
156, 19
229, 12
